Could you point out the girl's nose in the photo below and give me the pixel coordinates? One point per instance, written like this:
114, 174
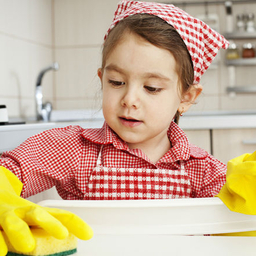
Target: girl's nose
130, 98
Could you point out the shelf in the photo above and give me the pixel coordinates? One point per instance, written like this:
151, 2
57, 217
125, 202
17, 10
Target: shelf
242, 89
240, 35
241, 62
247, 89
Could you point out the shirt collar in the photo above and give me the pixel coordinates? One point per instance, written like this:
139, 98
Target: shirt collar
104, 136
180, 150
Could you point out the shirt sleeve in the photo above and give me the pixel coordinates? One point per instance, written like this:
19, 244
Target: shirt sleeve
214, 177
207, 174
45, 160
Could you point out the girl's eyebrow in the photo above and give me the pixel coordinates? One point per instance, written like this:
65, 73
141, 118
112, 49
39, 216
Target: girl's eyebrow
157, 75
113, 67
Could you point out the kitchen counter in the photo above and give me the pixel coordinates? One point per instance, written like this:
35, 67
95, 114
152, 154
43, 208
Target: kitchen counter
195, 121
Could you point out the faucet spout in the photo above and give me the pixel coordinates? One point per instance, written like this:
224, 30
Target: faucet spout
43, 110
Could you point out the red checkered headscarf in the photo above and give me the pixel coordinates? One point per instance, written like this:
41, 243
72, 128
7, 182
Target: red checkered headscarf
202, 42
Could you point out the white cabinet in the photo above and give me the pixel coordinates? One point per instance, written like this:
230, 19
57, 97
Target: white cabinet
224, 144
230, 143
12, 136
200, 138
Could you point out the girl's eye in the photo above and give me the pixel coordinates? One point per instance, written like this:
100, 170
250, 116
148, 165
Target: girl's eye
153, 89
116, 83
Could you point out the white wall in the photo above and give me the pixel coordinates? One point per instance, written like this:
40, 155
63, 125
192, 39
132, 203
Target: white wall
34, 33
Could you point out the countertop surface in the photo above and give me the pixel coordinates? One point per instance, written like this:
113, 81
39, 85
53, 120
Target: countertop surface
187, 122
191, 122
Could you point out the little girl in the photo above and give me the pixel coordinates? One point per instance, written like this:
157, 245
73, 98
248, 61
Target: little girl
153, 58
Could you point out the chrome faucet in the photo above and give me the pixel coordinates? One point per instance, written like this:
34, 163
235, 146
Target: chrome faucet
43, 110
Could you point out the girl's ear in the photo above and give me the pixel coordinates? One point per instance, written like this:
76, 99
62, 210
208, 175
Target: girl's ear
100, 73
190, 97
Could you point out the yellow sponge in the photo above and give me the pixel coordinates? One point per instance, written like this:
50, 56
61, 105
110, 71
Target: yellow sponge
47, 245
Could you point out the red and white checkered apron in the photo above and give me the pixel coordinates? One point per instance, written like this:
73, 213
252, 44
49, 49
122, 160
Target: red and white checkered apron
107, 183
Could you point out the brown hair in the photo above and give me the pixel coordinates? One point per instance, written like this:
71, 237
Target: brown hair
159, 33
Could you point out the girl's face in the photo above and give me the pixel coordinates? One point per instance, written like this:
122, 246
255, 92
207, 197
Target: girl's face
140, 92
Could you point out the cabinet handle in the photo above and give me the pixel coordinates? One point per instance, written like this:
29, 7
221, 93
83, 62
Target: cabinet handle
249, 142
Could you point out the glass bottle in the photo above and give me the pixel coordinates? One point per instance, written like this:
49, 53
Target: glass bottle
248, 50
232, 52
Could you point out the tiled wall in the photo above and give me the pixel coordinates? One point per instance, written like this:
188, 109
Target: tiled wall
25, 48
34, 33
80, 26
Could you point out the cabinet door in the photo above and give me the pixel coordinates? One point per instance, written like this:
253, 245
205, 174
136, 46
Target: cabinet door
230, 143
200, 138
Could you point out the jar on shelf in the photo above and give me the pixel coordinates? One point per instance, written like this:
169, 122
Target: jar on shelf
250, 26
240, 22
232, 52
248, 51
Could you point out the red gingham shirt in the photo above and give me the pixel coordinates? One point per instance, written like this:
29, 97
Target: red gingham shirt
66, 157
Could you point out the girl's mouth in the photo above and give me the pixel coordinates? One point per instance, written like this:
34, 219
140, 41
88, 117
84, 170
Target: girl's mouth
129, 122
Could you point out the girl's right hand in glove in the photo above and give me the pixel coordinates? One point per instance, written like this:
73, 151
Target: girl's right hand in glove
17, 215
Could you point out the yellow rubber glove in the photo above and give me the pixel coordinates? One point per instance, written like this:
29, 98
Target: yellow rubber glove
239, 191
18, 214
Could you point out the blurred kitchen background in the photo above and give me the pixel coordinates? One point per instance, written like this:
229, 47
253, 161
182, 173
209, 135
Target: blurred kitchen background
36, 33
